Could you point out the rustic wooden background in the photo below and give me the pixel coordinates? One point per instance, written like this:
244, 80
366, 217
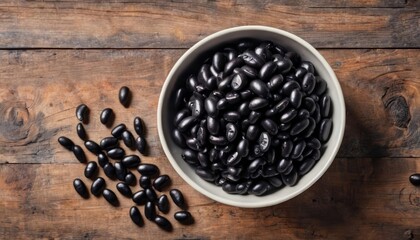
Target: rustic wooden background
55, 55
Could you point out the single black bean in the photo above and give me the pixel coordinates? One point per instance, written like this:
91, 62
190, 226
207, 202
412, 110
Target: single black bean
150, 211
252, 132
130, 179
300, 73
325, 106
148, 169
178, 198
194, 144
286, 148
269, 171
203, 159
191, 83
298, 149
97, 186
136, 217
267, 70
320, 87
210, 105
124, 189
151, 194
118, 130
234, 159
93, 147
179, 98
242, 188
308, 83
213, 125
116, 153
102, 159
205, 174
288, 116
255, 165
106, 116
230, 187
242, 148
251, 59
284, 65
90, 169
66, 143
317, 114
254, 116
128, 139
108, 143
263, 52
289, 86
308, 66
283, 165
244, 109
186, 123
110, 197
232, 116
415, 179
232, 98
245, 124
232, 64
140, 197
177, 136
145, 181
258, 103
82, 113
219, 61
299, 127
275, 82
239, 81
306, 166
303, 113
198, 108
325, 129
80, 188
270, 126
184, 217
139, 126
250, 72
309, 104
290, 179
161, 182
202, 136
259, 188
109, 170
163, 203
141, 143
204, 74
247, 94
163, 223
296, 98
264, 141
231, 132
218, 140
79, 153
189, 156
211, 83
260, 88
120, 171
130, 161
81, 132
124, 96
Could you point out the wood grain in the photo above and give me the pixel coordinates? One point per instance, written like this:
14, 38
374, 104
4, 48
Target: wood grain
40, 90
370, 197
180, 24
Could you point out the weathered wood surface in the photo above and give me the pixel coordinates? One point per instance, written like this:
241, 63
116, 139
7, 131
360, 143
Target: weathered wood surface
355, 199
179, 24
39, 91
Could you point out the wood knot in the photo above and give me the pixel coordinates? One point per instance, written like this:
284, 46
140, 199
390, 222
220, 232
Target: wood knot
396, 105
15, 121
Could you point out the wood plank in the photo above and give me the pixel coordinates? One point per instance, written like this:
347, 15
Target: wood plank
358, 3
40, 90
355, 199
162, 24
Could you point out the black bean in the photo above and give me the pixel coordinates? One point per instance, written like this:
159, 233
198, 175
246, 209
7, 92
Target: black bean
230, 187
233, 159
267, 70
284, 65
298, 149
136, 217
232, 64
299, 127
130, 161
177, 136
120, 171
275, 82
163, 204
233, 98
252, 132
161, 182
66, 143
303, 113
242, 148
191, 83
204, 74
239, 81
306, 166
288, 116
286, 148
130, 179
231, 132
197, 108
79, 153
210, 105
106, 116
110, 197
202, 135
270, 126
124, 96
189, 156
320, 87
283, 165
309, 104
205, 174
97, 186
325, 106
178, 198
108, 143
93, 147
184, 217
258, 103
186, 123
325, 129
289, 86
140, 197
219, 61
141, 143
151, 194
90, 169
296, 98
109, 170
250, 72
415, 179
244, 109
118, 130
80, 188
255, 165
253, 117
203, 159
148, 169
290, 179
259, 188
163, 223
264, 141
179, 98
150, 211
308, 66
145, 182
128, 138
116, 153
260, 88
81, 132
102, 159
308, 83
82, 113
300, 73
232, 116
217, 140
124, 189
247, 94
263, 52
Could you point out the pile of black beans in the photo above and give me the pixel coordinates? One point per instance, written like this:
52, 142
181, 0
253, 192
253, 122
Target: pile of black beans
109, 149
252, 118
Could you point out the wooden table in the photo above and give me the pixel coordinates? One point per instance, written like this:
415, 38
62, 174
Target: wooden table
55, 55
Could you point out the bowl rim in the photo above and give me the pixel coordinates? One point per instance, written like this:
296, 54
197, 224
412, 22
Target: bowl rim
267, 202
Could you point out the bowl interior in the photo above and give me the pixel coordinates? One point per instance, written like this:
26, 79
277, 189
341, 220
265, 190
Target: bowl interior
191, 59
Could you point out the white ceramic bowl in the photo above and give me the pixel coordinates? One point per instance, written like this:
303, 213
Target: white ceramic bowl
165, 114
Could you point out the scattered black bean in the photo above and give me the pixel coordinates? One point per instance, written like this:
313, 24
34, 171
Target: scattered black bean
66, 143
415, 179
109, 170
124, 96
93, 147
163, 223
151, 194
79, 153
82, 113
118, 130
184, 217
130, 161
108, 143
150, 211
81, 132
106, 116
120, 171
161, 182
110, 196
124, 189
80, 188
148, 169
116, 153
128, 139
178, 198
139, 126
130, 179
140, 197
163, 203
136, 217
90, 169
97, 186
